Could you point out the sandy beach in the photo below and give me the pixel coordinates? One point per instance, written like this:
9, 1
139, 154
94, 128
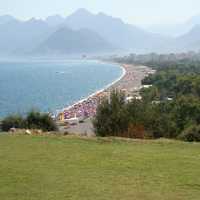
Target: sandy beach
132, 79
129, 82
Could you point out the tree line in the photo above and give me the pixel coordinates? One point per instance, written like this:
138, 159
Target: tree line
169, 109
33, 120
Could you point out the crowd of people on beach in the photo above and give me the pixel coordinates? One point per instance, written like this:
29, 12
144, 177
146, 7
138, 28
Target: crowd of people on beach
84, 109
88, 107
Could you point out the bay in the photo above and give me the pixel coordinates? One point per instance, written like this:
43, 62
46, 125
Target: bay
51, 85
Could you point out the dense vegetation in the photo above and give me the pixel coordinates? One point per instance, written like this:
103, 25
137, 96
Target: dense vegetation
33, 120
170, 108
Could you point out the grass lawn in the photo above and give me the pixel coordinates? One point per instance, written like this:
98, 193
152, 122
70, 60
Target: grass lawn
58, 168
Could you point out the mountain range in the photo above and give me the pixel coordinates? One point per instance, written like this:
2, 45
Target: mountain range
85, 33
69, 41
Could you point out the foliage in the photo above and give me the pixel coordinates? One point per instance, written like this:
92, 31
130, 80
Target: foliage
191, 134
37, 120
111, 117
33, 120
15, 121
135, 131
167, 108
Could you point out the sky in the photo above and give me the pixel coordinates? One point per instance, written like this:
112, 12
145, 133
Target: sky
143, 12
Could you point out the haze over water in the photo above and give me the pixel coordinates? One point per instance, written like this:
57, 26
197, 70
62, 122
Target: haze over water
51, 85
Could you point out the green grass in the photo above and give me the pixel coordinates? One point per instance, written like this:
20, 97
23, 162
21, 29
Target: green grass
58, 168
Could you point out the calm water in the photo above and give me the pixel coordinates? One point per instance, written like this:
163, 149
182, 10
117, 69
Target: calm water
50, 85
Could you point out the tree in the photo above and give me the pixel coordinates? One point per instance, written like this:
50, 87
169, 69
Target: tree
13, 121
37, 120
111, 118
33, 120
191, 134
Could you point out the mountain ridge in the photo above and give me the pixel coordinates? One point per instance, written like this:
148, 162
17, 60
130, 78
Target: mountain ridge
107, 32
67, 41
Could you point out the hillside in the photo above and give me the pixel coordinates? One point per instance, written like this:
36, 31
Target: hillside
190, 40
17, 37
6, 19
67, 41
52, 167
114, 30
111, 34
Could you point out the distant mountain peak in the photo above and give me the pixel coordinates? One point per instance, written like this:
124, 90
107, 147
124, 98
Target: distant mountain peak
35, 21
81, 12
6, 18
110, 18
67, 41
102, 14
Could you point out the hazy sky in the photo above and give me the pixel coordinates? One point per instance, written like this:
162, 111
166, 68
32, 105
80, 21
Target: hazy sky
131, 11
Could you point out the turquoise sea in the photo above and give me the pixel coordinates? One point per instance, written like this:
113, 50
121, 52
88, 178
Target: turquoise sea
51, 85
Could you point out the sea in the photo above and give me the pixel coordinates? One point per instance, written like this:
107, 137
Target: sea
51, 85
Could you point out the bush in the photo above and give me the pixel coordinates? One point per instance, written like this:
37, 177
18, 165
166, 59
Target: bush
13, 121
111, 118
136, 131
191, 134
37, 120
33, 120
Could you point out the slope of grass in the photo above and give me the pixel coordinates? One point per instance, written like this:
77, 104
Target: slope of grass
58, 168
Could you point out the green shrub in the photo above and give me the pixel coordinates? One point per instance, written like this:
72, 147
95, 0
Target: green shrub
37, 120
191, 134
111, 118
33, 120
13, 121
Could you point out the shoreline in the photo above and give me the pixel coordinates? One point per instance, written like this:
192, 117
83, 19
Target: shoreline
107, 87
129, 82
